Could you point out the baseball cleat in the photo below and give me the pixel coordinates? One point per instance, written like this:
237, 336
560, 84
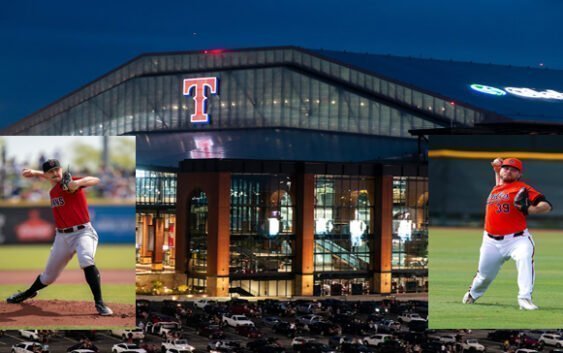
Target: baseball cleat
468, 299
526, 304
20, 297
103, 310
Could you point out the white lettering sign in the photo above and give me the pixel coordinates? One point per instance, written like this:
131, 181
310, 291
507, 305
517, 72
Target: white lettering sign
518, 91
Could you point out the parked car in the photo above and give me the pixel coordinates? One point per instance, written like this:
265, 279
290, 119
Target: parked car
127, 347
524, 341
237, 320
551, 340
499, 335
448, 338
471, 344
285, 328
356, 327
29, 347
262, 342
223, 344
248, 331
31, 334
202, 303
270, 321
376, 340
178, 344
431, 347
314, 347
337, 341
176, 350
408, 317
309, 319
163, 328
307, 308
211, 331
136, 333
388, 326
356, 348
324, 328
297, 341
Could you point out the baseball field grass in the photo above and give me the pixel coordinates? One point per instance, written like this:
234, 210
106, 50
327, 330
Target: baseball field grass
453, 259
32, 258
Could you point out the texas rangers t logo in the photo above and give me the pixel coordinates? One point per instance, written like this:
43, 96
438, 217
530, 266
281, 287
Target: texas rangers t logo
197, 85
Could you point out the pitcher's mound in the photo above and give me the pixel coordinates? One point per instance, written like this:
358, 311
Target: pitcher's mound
64, 314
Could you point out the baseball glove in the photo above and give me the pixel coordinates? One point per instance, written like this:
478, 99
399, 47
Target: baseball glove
67, 178
522, 200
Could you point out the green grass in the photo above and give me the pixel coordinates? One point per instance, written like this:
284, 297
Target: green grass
113, 293
34, 257
453, 259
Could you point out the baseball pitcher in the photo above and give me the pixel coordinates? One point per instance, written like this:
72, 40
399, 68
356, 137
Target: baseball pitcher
74, 233
506, 235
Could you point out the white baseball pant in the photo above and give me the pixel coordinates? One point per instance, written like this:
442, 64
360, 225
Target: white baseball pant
494, 253
82, 242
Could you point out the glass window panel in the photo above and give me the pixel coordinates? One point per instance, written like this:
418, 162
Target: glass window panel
410, 223
262, 224
343, 216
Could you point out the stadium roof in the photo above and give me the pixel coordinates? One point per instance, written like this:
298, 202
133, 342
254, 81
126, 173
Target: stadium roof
453, 79
507, 94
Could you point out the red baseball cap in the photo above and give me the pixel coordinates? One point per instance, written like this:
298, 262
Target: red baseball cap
513, 162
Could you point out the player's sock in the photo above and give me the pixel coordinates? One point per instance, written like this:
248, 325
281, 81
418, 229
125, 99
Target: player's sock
93, 278
37, 285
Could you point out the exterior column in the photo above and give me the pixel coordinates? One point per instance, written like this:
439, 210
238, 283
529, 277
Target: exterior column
158, 242
219, 236
146, 256
181, 252
383, 232
217, 187
305, 232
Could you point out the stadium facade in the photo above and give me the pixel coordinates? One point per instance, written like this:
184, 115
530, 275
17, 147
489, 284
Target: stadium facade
286, 171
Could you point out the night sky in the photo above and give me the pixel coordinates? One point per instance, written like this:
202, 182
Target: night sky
51, 48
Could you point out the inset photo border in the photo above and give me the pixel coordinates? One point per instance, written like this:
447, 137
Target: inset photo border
495, 237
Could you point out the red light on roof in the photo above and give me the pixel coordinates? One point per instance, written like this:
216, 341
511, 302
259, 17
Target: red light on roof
213, 51
452, 103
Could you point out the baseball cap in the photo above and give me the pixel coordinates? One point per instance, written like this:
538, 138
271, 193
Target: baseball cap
513, 162
50, 164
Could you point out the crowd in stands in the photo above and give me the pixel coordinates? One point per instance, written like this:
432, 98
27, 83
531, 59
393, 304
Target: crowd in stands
116, 184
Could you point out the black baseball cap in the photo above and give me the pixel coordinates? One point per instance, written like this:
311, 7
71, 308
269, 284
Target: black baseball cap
50, 164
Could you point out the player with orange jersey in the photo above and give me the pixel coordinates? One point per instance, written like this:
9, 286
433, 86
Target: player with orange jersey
506, 234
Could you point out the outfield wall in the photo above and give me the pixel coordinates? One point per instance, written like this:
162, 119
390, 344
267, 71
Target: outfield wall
115, 224
459, 190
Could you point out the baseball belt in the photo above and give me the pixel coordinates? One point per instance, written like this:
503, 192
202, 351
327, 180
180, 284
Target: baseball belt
502, 237
71, 229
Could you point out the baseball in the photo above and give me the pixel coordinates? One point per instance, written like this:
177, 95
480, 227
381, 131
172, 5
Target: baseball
497, 163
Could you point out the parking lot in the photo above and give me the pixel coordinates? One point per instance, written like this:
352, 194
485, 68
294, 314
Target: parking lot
272, 326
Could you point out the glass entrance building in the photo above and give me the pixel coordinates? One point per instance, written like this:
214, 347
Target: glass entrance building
287, 171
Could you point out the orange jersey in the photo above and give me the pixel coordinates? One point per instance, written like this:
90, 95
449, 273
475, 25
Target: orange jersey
502, 217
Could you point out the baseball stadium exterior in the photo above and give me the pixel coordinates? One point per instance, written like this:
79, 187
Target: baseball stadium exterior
279, 171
